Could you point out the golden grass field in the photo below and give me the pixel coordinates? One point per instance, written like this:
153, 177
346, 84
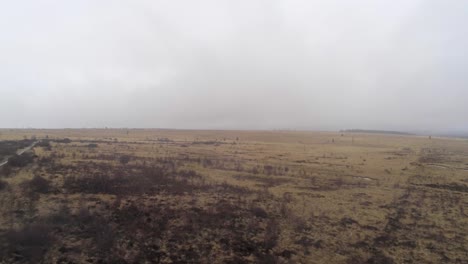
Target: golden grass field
186, 196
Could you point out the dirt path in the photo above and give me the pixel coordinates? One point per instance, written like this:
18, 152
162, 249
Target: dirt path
19, 152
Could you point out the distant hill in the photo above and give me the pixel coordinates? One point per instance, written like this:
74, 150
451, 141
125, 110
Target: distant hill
375, 132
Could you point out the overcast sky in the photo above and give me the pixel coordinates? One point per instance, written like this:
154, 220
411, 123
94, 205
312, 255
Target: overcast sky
271, 64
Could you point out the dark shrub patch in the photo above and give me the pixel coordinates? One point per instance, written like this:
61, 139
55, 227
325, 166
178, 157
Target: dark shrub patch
44, 143
36, 185
9, 147
28, 244
124, 159
3, 185
259, 212
64, 140
92, 145
21, 160
5, 170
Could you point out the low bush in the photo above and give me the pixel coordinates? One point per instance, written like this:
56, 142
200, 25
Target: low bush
21, 160
27, 245
124, 159
5, 170
37, 184
3, 185
63, 140
44, 143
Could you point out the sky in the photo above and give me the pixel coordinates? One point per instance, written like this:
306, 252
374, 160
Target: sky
218, 64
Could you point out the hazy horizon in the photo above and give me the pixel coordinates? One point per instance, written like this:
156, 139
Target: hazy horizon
248, 65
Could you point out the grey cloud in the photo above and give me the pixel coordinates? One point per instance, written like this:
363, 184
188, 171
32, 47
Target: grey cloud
234, 64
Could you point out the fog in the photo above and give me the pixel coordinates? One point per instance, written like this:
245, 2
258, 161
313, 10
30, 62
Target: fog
320, 65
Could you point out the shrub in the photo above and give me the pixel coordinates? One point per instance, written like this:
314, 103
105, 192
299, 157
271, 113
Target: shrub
36, 185
268, 169
259, 212
64, 140
124, 159
28, 244
44, 144
271, 234
46, 160
21, 160
5, 170
3, 185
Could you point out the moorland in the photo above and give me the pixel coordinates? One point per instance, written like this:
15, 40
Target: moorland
188, 196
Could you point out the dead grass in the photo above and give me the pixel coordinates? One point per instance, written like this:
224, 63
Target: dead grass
236, 196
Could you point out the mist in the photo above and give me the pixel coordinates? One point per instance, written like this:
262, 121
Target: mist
321, 65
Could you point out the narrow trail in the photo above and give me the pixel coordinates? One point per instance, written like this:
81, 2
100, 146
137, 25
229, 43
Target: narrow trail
19, 152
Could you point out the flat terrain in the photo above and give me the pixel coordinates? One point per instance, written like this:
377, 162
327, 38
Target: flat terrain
182, 196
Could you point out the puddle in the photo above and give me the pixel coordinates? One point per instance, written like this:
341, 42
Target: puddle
364, 178
439, 166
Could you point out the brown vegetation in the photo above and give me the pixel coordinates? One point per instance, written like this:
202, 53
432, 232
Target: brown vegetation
161, 198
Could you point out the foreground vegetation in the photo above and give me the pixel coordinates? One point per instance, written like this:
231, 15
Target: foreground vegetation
150, 196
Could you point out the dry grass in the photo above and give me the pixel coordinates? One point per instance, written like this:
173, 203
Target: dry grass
237, 196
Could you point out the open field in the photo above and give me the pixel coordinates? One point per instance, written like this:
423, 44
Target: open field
182, 196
